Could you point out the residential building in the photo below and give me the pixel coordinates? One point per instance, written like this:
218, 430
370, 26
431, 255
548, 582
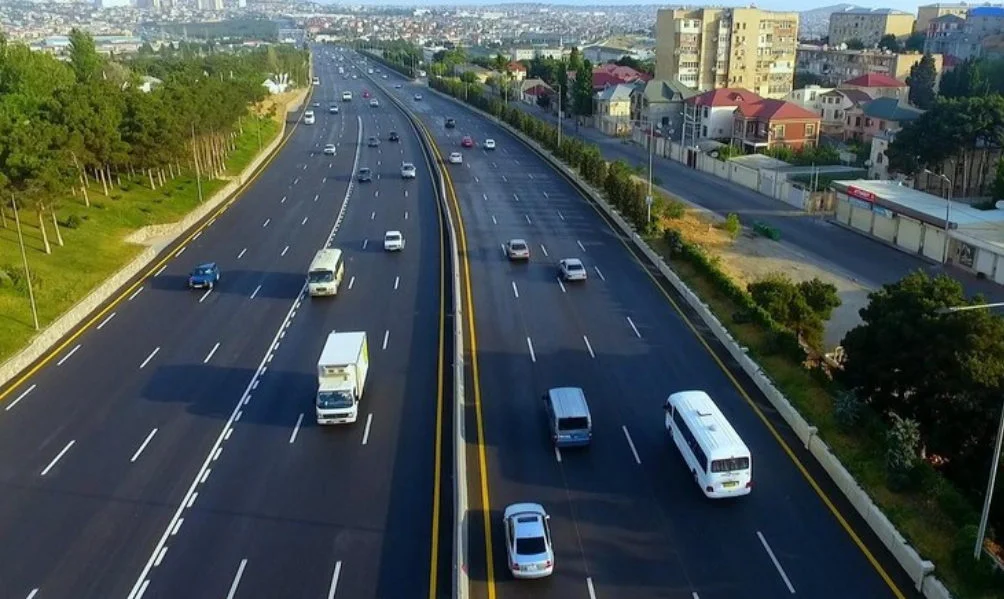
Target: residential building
878, 86
868, 25
836, 103
978, 35
769, 123
516, 71
809, 97
210, 4
719, 48
603, 54
863, 122
610, 74
709, 115
834, 65
612, 109
929, 12
532, 89
660, 102
878, 161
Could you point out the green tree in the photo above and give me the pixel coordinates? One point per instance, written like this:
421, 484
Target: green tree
943, 370
784, 301
822, 297
889, 42
855, 44
922, 78
915, 42
966, 80
998, 188
582, 90
574, 60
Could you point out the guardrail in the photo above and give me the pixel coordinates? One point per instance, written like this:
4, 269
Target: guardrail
920, 571
460, 583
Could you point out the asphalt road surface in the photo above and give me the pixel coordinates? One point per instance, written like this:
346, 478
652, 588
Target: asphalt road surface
172, 451
626, 517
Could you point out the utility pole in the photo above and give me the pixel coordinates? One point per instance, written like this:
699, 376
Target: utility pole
24, 257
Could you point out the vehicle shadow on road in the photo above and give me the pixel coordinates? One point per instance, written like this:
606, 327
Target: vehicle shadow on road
263, 284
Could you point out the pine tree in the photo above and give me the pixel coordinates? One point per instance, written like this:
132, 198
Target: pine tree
921, 81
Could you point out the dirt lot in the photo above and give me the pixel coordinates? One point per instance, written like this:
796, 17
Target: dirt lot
749, 258
277, 104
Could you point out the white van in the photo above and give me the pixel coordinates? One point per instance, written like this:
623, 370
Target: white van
718, 459
326, 272
568, 417
308, 117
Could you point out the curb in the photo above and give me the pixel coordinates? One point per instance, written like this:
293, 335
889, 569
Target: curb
918, 569
70, 320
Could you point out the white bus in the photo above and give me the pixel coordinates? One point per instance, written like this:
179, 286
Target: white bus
712, 449
326, 272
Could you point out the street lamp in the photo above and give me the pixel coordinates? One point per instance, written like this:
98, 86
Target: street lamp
948, 210
988, 498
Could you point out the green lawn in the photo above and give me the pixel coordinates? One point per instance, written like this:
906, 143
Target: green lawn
923, 516
96, 248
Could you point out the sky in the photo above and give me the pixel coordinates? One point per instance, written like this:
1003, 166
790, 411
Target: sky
781, 5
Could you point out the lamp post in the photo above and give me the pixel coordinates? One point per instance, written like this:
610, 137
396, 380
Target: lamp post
948, 210
995, 462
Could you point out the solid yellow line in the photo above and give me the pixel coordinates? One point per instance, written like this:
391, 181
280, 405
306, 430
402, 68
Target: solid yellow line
763, 418
52, 353
434, 558
476, 379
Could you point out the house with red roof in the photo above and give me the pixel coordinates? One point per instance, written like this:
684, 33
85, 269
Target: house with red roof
709, 115
878, 85
768, 123
610, 74
518, 71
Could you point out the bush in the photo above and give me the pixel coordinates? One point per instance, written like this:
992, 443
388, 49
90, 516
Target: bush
847, 410
6, 278
732, 226
901, 457
13, 277
71, 222
675, 209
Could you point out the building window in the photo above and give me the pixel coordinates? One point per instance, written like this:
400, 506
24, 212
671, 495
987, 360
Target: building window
778, 131
704, 131
707, 111
810, 130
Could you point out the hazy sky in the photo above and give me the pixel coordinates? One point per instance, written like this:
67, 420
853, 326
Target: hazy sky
786, 5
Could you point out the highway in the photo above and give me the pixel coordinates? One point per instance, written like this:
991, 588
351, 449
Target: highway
626, 517
170, 450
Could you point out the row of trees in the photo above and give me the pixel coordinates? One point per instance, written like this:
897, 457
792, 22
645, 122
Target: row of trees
64, 125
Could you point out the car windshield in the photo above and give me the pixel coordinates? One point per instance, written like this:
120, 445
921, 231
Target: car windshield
730, 465
530, 546
328, 400
573, 266
204, 271
518, 246
321, 276
393, 237
364, 171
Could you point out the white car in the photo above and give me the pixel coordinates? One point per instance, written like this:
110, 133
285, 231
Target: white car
489, 144
456, 158
418, 97
308, 117
330, 150
375, 103
571, 269
333, 109
528, 540
517, 249
397, 86
393, 241
407, 170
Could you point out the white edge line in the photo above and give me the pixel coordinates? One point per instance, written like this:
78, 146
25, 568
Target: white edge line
68, 355
134, 294
105, 321
20, 397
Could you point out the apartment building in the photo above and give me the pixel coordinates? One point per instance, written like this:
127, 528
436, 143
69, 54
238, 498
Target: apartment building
810, 97
868, 25
977, 34
929, 12
835, 66
716, 48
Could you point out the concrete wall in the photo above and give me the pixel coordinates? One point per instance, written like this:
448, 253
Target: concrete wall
78, 314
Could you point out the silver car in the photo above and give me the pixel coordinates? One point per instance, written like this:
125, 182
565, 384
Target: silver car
517, 249
571, 269
528, 540
407, 170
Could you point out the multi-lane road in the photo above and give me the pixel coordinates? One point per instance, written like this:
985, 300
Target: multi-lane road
170, 449
627, 519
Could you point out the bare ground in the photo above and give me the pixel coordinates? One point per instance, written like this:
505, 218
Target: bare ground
749, 258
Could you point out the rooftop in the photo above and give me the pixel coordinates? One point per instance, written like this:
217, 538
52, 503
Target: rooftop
775, 110
726, 96
874, 80
872, 11
890, 109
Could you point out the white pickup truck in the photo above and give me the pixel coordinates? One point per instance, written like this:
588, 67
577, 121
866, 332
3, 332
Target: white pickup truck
341, 377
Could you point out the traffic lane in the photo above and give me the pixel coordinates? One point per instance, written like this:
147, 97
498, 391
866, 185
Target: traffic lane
103, 416
173, 380
613, 310
395, 375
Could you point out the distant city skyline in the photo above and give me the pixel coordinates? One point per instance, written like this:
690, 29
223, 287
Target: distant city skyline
778, 5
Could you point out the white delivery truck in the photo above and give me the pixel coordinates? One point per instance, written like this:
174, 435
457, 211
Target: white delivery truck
341, 377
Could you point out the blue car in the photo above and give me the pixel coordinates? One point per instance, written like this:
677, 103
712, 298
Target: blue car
204, 276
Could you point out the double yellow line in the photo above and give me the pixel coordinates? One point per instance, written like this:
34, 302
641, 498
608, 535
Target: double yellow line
58, 349
472, 340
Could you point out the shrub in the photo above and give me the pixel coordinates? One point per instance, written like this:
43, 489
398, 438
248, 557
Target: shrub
71, 222
675, 209
901, 457
6, 278
732, 226
847, 410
